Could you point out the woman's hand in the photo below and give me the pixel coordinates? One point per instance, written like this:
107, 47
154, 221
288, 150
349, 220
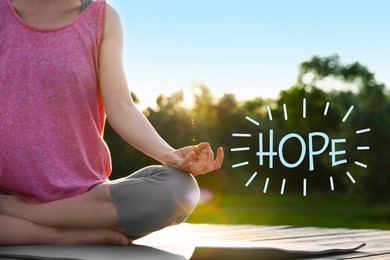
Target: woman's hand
195, 159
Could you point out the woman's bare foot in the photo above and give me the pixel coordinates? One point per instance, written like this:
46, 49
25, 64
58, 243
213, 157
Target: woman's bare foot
15, 231
92, 237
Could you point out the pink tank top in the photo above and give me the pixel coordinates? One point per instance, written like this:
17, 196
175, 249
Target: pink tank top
51, 111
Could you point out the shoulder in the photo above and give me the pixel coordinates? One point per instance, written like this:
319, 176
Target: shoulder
112, 25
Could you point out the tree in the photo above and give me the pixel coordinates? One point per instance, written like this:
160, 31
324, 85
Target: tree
373, 106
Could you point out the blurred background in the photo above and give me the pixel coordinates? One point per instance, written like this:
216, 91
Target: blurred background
198, 68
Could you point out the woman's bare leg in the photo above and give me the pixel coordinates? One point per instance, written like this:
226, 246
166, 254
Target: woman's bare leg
94, 210
14, 231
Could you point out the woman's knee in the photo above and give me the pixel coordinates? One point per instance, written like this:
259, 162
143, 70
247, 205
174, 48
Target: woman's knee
159, 197
184, 192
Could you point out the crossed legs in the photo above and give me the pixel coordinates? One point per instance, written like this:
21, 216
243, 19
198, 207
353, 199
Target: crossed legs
148, 200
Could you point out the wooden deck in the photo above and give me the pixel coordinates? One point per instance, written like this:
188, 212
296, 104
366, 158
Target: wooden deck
282, 237
225, 242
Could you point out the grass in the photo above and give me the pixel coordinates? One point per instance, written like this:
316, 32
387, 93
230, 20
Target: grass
314, 210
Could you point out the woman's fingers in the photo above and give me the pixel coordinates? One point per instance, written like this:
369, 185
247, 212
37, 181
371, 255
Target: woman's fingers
209, 166
189, 160
201, 159
202, 162
200, 147
218, 161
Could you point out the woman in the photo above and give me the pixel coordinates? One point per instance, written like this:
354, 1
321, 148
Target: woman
61, 74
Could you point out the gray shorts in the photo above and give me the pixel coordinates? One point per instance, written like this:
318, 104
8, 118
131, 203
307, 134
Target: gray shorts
153, 198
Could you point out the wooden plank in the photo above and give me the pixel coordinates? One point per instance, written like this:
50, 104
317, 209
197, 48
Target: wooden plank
295, 234
260, 233
275, 234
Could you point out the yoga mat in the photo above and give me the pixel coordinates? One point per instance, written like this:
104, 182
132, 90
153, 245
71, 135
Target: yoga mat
249, 252
86, 253
210, 250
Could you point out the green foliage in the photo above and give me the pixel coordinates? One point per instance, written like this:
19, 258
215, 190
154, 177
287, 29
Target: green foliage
271, 209
215, 119
372, 103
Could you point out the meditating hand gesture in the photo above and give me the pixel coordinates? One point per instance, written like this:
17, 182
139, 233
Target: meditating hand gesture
195, 159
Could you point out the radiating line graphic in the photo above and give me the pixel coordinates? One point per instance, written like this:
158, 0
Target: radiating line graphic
363, 131
252, 120
240, 164
285, 111
363, 148
347, 114
326, 109
269, 113
350, 177
239, 149
241, 135
304, 108
304, 187
361, 164
283, 186
331, 183
251, 179
266, 185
